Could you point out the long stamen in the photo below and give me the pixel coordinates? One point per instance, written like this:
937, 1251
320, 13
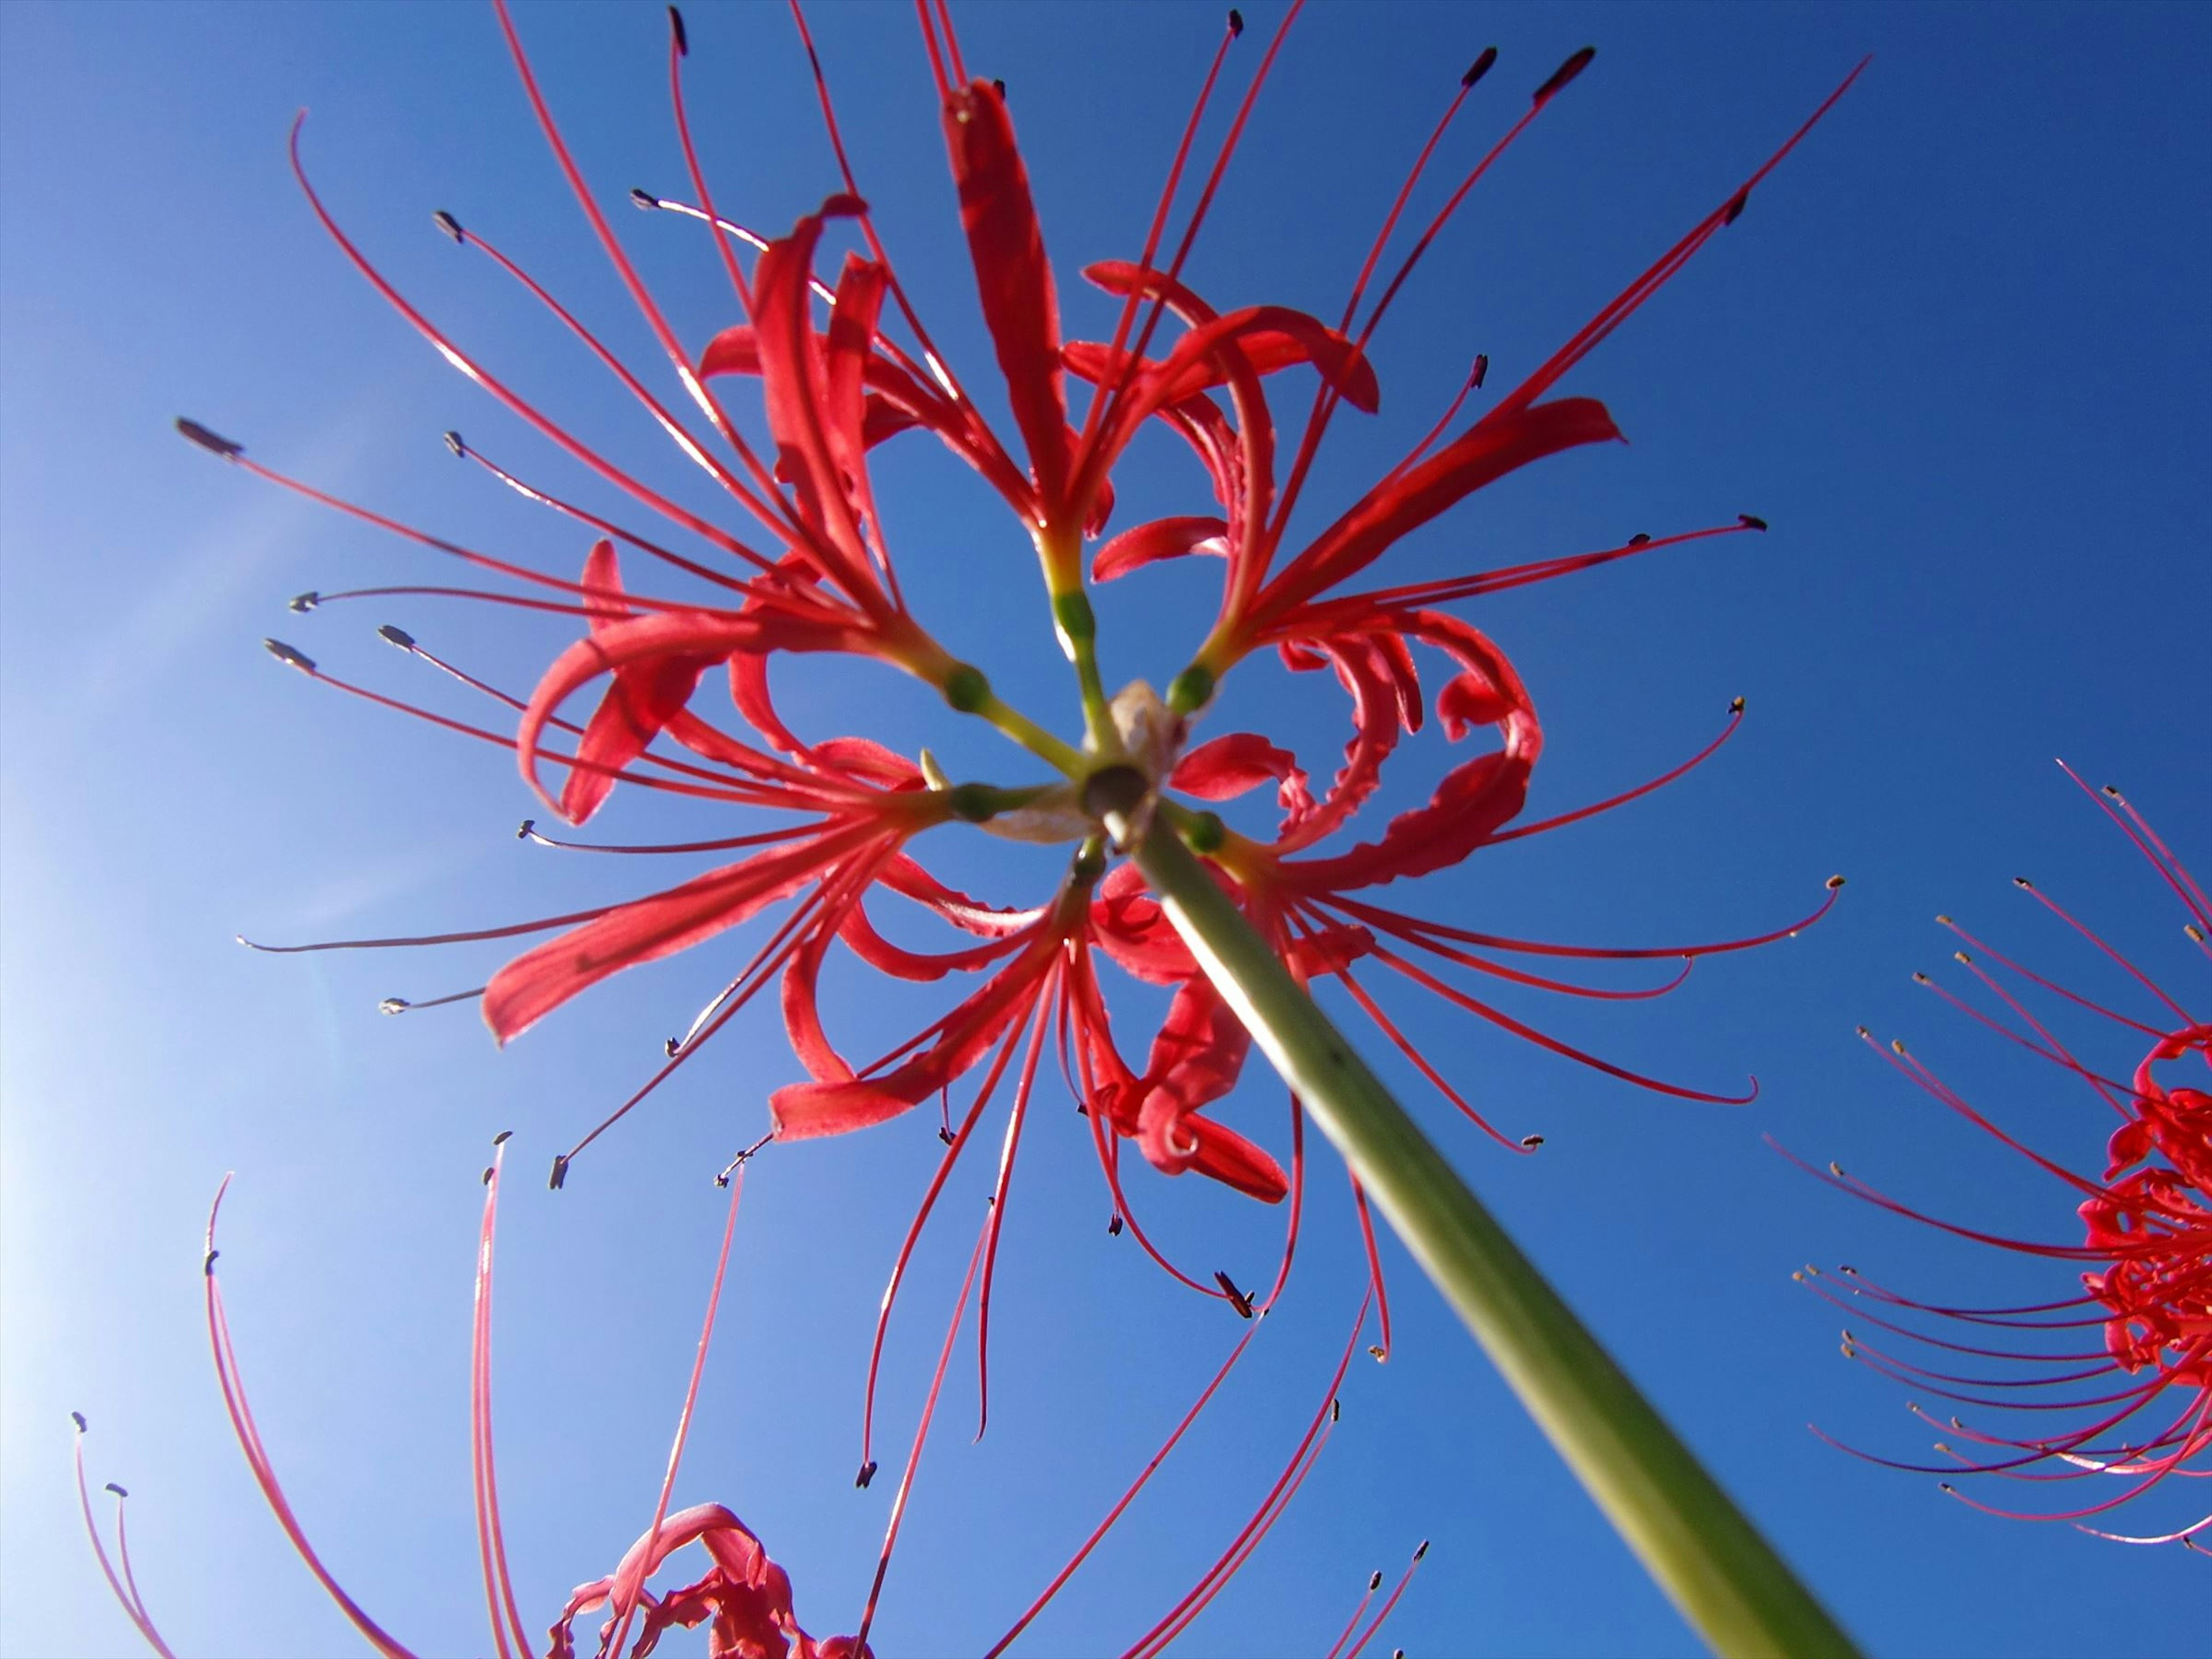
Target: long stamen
997, 1218
257, 1456
627, 1593
491, 1543
1383, 1613
124, 1589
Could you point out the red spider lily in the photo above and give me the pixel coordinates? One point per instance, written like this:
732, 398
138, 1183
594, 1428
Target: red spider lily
744, 1598
845, 365
2138, 1412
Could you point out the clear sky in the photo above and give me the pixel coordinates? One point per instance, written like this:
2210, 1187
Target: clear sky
1957, 352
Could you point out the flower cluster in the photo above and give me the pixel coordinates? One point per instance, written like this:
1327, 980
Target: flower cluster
841, 362
2136, 1411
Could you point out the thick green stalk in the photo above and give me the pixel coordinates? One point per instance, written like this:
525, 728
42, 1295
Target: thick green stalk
1695, 1543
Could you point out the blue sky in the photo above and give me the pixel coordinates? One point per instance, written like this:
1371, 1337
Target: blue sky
1957, 352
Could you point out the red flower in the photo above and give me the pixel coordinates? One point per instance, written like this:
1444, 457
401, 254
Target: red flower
2138, 1412
843, 365
745, 1597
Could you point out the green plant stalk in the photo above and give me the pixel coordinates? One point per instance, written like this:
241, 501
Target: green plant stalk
1700, 1548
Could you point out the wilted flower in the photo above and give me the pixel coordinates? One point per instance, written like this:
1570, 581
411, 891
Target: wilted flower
745, 1597
2131, 1414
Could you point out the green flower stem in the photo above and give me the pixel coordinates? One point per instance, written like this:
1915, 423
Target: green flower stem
1054, 751
1700, 1549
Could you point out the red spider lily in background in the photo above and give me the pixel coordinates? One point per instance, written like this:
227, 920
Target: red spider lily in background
744, 1598
2135, 1412
843, 365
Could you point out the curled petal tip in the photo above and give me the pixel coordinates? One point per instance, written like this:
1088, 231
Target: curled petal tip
1480, 67
289, 656
391, 635
214, 442
1566, 72
675, 32
449, 225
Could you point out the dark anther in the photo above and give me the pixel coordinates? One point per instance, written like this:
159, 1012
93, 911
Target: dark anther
208, 440
1116, 788
945, 1135
1639, 538
999, 86
119, 1490
500, 1138
303, 603
670, 1045
2112, 791
1897, 1046
1082, 1111
77, 1418
1735, 207
867, 1474
1237, 1299
1864, 1032
488, 1174
1335, 1410
1114, 1226
450, 225
290, 658
1378, 1352
644, 200
1566, 72
1751, 521
399, 636
2023, 881
1375, 1581
393, 1005
207, 1262
453, 443
1736, 705
1422, 1551
1920, 979
1235, 23
522, 830
676, 29
560, 1175
1532, 1142
1943, 921
1480, 67
2195, 932
1848, 1268
1481, 369
1834, 882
